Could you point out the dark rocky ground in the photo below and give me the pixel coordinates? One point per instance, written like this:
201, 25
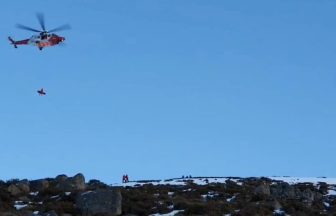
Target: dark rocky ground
71, 196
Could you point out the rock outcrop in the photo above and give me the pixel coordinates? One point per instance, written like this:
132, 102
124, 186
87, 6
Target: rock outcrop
100, 202
263, 189
16, 187
75, 183
39, 185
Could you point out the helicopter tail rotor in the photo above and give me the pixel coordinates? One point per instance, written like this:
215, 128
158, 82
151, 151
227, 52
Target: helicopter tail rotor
12, 41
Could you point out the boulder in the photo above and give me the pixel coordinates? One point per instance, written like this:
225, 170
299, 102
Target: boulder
19, 188
39, 185
71, 183
100, 202
95, 184
276, 205
14, 190
309, 196
61, 178
283, 190
262, 189
24, 186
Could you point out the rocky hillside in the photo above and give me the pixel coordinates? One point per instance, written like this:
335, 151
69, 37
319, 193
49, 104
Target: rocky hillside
69, 196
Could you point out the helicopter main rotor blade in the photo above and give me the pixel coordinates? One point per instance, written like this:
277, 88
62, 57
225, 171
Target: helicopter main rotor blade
27, 28
40, 18
61, 28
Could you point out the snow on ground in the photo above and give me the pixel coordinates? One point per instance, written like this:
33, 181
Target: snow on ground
210, 194
295, 180
34, 193
179, 181
230, 199
168, 214
331, 193
239, 181
326, 204
204, 196
19, 205
278, 211
204, 181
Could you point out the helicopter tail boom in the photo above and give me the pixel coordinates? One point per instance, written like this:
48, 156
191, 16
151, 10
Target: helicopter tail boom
21, 42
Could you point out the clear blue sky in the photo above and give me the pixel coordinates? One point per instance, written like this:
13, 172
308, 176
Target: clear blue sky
160, 89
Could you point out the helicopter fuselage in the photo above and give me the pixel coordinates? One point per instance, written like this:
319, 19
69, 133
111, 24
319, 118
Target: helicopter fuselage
41, 41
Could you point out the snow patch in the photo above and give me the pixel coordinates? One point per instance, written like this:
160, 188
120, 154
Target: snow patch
20, 206
331, 193
279, 212
168, 214
34, 193
187, 190
295, 180
237, 180
326, 204
230, 199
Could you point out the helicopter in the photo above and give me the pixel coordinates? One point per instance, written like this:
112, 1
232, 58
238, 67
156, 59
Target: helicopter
41, 92
44, 38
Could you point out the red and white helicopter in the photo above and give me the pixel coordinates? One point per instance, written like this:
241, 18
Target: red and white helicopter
44, 39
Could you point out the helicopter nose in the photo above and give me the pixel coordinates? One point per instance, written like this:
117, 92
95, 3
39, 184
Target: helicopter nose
62, 39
